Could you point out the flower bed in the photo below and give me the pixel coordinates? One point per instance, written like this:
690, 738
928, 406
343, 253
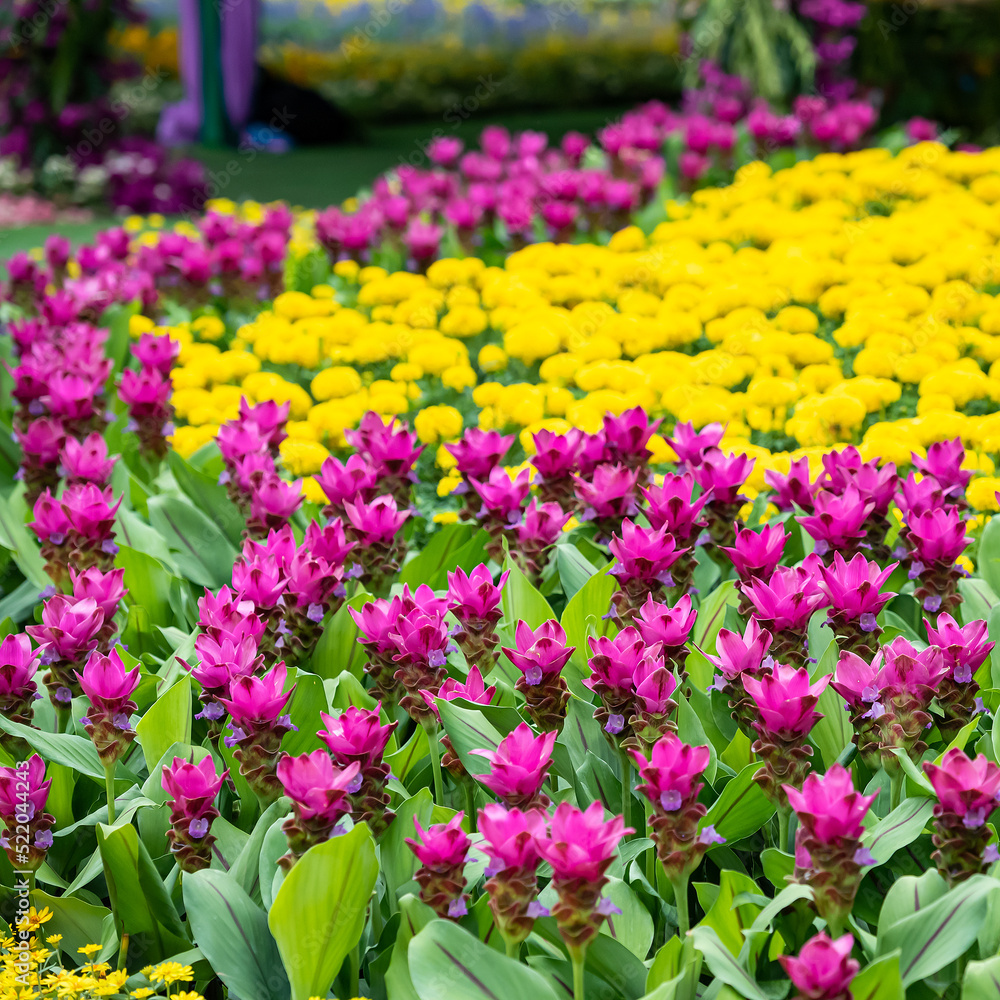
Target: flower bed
690, 697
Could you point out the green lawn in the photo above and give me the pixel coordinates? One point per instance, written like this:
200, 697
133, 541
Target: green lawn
320, 176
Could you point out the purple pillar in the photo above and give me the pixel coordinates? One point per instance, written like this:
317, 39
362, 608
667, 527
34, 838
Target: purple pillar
239, 59
180, 123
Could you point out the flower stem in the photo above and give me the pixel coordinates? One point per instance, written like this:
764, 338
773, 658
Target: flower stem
109, 785
578, 988
435, 752
680, 884
355, 969
513, 948
784, 816
470, 804
896, 787
626, 789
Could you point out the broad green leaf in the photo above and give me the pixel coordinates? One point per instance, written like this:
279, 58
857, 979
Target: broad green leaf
201, 550
692, 732
232, 933
988, 558
633, 927
79, 922
666, 963
167, 721
148, 583
447, 961
306, 704
17, 537
788, 896
432, 563
879, 981
403, 760
469, 730
338, 649
908, 895
584, 615
978, 597
575, 569
414, 917
138, 896
724, 965
398, 861
901, 827
209, 497
712, 615
727, 919
319, 912
981, 981
936, 935
246, 870
742, 808
521, 600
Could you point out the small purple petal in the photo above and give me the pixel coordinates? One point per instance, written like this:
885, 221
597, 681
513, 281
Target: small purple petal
315, 613
963, 673
868, 622
709, 836
863, 857
197, 828
671, 800
436, 658
356, 782
916, 569
974, 818
606, 908
536, 910
43, 839
615, 724
213, 710
64, 694
109, 547
991, 853
533, 675
932, 603
457, 908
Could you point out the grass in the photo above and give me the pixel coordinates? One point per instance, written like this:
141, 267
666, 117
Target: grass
315, 177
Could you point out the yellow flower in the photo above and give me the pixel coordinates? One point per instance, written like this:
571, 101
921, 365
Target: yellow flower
89, 949
438, 423
458, 377
335, 383
302, 458
139, 324
171, 972
492, 358
981, 493
142, 992
446, 517
406, 372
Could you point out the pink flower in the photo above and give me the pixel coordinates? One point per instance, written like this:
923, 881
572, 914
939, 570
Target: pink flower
740, 654
510, 836
965, 788
223, 660
319, 792
626, 436
965, 647
793, 490
375, 523
582, 843
90, 511
356, 735
852, 588
420, 638
518, 766
87, 460
257, 701
473, 689
109, 685
541, 525
69, 627
556, 455
757, 554
343, 482
540, 652
51, 523
785, 700
474, 597
609, 493
672, 775
391, 448
615, 660
156, 351
643, 554
376, 621
829, 807
937, 536
839, 519
479, 452
267, 419
723, 475
824, 968
670, 626
18, 665
273, 501
944, 463
192, 787
107, 589
441, 847
787, 600
502, 496
671, 505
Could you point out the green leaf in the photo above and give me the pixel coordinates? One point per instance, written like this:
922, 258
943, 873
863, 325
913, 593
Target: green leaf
148, 583
209, 497
167, 721
200, 549
742, 808
138, 896
575, 569
583, 617
521, 600
727, 919
724, 965
908, 895
398, 861
469, 730
79, 922
880, 980
319, 912
407, 757
447, 961
306, 704
246, 870
633, 927
666, 964
901, 827
232, 933
16, 537
977, 599
988, 559
936, 935
338, 648
981, 981
438, 556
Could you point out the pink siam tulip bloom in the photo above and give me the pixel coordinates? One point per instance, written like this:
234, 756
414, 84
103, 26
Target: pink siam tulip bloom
474, 599
824, 969
41, 442
613, 663
936, 539
556, 458
329, 542
157, 352
502, 497
518, 768
86, 461
672, 505
510, 840
91, 515
358, 736
721, 476
227, 615
919, 494
965, 649
442, 851
756, 554
51, 526
540, 656
967, 792
192, 789
838, 523
147, 395
608, 496
473, 688
68, 633
535, 535
321, 798
785, 702
644, 558
109, 685
741, 655
828, 852
944, 464
346, 482
258, 581
626, 438
222, 661
792, 490
784, 605
107, 589
257, 727
876, 484
580, 847
479, 452
669, 626
671, 782
23, 795
374, 529
853, 591
392, 449
268, 419
18, 666
272, 502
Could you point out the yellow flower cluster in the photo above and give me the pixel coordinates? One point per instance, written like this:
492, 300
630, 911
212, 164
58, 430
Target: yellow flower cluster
846, 299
